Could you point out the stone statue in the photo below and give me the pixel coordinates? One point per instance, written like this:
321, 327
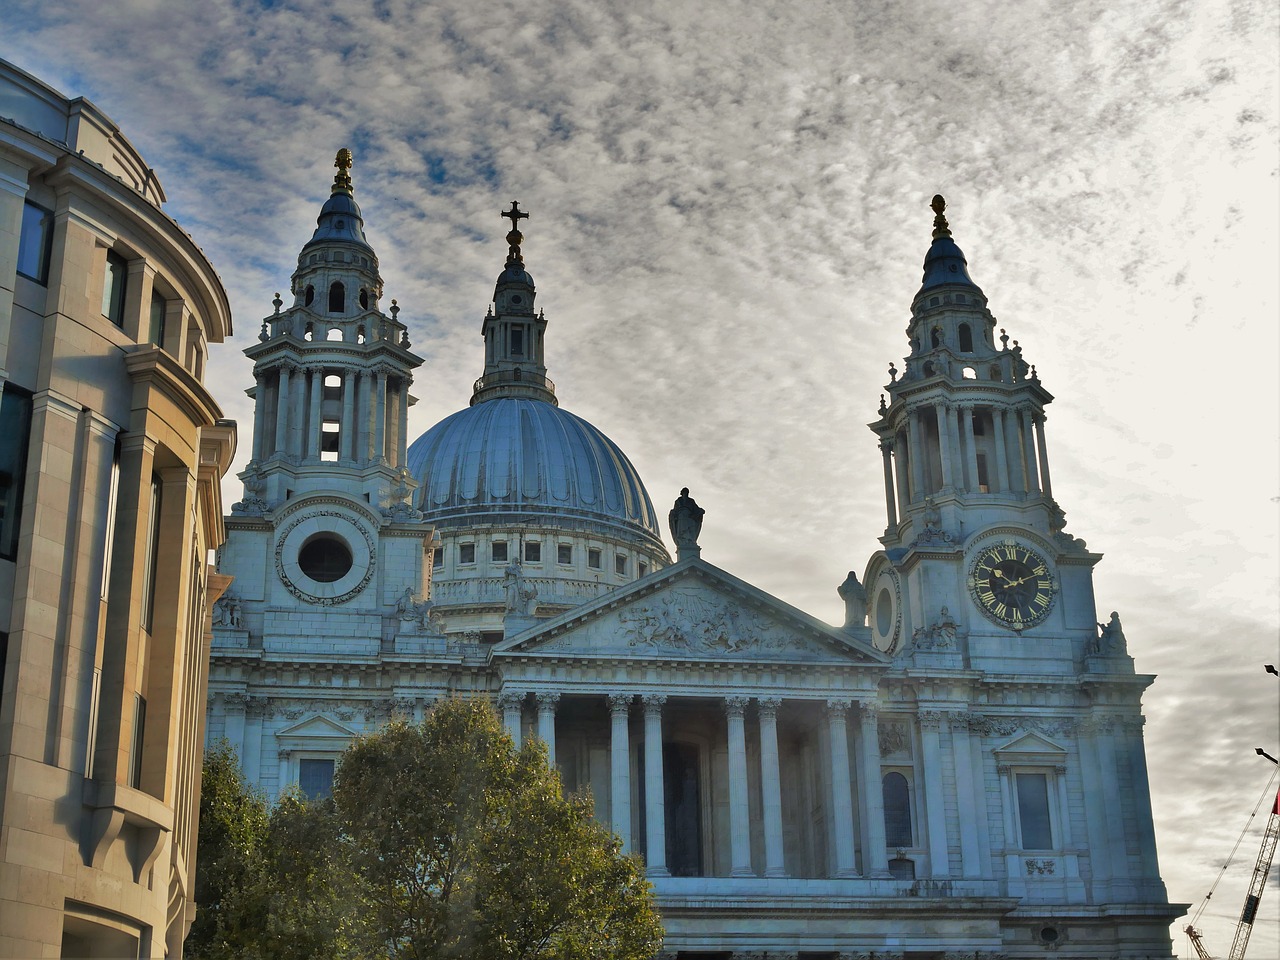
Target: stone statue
255, 485
407, 605
1110, 642
520, 595
685, 521
931, 520
220, 615
854, 596
233, 613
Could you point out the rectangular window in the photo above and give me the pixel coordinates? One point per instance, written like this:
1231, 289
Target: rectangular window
158, 309
149, 569
437, 557
984, 481
593, 559
15, 438
466, 553
620, 565
643, 568
113, 494
113, 288
1033, 811
517, 341
4, 657
533, 551
315, 777
139, 727
564, 553
35, 244
498, 551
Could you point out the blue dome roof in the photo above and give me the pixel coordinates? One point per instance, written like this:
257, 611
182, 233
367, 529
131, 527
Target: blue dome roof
340, 220
512, 455
945, 264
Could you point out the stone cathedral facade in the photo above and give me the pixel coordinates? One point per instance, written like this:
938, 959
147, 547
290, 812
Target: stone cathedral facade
955, 771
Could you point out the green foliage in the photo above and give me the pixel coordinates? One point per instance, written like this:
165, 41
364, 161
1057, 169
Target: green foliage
470, 850
442, 842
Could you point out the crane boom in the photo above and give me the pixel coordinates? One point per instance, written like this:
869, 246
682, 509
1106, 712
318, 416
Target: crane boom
1259, 882
1194, 936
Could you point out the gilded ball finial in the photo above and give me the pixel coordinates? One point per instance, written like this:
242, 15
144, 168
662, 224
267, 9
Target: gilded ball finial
940, 227
514, 236
342, 179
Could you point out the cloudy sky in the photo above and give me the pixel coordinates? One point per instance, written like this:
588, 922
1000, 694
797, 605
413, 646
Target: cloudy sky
729, 210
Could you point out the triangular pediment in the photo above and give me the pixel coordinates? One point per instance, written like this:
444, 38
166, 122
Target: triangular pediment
316, 727
690, 611
1030, 748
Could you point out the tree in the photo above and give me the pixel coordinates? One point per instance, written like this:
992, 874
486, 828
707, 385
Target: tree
467, 848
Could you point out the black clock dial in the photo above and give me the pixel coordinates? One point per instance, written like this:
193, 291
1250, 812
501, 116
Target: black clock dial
1012, 585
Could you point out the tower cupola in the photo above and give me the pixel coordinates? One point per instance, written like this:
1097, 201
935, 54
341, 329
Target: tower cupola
513, 332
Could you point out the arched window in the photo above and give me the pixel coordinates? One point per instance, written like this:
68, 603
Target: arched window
928, 368
309, 333
337, 297
335, 333
968, 373
897, 810
364, 299
966, 339
310, 295
935, 338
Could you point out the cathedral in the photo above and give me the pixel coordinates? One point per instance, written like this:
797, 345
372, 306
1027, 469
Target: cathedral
957, 770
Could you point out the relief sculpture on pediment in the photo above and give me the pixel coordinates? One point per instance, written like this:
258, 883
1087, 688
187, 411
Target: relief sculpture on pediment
697, 623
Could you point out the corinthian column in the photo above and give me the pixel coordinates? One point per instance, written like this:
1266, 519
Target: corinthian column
547, 723
841, 797
620, 767
655, 853
771, 787
876, 861
739, 816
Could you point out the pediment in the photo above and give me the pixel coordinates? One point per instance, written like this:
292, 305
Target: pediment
1031, 748
317, 727
690, 611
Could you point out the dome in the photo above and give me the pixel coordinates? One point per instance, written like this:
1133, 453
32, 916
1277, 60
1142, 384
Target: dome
512, 456
944, 264
339, 220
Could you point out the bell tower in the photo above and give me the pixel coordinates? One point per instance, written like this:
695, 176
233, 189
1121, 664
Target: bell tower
514, 363
332, 370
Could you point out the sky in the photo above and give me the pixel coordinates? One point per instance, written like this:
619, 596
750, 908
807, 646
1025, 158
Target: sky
729, 210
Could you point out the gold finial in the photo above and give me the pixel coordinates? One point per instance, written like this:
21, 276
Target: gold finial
940, 228
342, 179
514, 236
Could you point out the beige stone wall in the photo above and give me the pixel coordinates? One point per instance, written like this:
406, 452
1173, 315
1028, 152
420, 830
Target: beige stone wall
105, 600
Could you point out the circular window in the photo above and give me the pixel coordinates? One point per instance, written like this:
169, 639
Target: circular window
884, 612
517, 299
1049, 934
325, 559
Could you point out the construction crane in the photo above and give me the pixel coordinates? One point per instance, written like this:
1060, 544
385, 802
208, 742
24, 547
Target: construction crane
1258, 883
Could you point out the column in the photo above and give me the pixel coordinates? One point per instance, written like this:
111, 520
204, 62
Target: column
350, 379
1029, 452
739, 815
655, 854
315, 420
886, 453
1095, 812
364, 411
953, 434
841, 795
944, 446
1002, 484
901, 463
977, 763
1112, 801
1045, 485
620, 767
1012, 858
917, 458
547, 723
876, 862
234, 731
970, 448
402, 427
1013, 447
259, 414
282, 410
380, 415
970, 851
252, 756
934, 800
511, 703
771, 787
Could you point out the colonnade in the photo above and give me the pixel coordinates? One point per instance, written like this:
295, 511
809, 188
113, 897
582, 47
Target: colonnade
737, 713
372, 418
1017, 443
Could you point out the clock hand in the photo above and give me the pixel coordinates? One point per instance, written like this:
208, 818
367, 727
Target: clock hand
996, 571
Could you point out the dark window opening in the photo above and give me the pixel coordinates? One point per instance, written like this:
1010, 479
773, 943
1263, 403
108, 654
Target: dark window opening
984, 480
935, 338
643, 568
113, 288
897, 810
533, 551
139, 729
15, 438
901, 868
337, 297
1033, 811
150, 562
620, 565
594, 560
310, 295
315, 778
437, 557
364, 299
564, 553
35, 243
966, 338
681, 785
517, 342
498, 551
158, 309
466, 553
324, 558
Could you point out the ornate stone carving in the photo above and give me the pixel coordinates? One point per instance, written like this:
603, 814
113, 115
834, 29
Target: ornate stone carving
895, 739
521, 596
838, 708
870, 711
653, 703
301, 594
293, 712
620, 703
932, 719
511, 700
931, 519
1110, 641
255, 484
1039, 866
767, 707
736, 706
854, 596
939, 635
226, 612
421, 613
685, 521
402, 705
698, 623
547, 700
398, 505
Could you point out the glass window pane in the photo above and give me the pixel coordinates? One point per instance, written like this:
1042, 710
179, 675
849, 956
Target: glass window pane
15, 437
466, 553
1033, 811
499, 551
113, 288
35, 243
533, 552
897, 810
564, 553
157, 319
315, 777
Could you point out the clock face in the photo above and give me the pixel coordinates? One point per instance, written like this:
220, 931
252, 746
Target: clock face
1012, 585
